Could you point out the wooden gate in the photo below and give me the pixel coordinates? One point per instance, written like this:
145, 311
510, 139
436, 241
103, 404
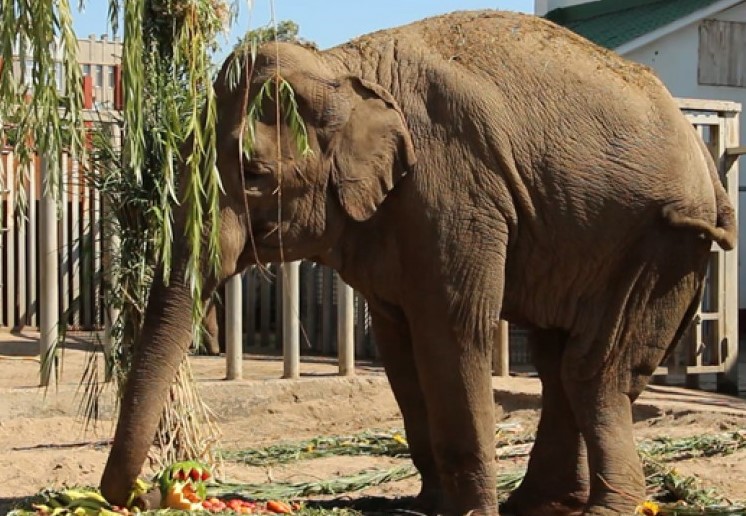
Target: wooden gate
711, 344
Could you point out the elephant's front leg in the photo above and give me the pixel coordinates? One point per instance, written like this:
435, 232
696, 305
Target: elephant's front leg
395, 347
556, 482
455, 374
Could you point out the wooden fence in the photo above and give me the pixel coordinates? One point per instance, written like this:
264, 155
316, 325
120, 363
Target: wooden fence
262, 308
711, 345
79, 247
256, 302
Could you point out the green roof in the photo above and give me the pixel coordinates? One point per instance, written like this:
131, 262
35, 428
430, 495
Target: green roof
612, 23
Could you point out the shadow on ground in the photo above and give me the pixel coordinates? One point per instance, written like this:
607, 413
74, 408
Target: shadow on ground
369, 505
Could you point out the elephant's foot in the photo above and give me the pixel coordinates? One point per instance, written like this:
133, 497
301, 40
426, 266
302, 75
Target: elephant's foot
608, 511
534, 504
430, 500
611, 505
148, 501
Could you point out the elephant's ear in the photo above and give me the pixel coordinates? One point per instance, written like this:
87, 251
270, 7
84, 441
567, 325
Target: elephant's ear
371, 148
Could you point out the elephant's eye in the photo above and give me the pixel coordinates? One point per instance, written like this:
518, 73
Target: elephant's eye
255, 168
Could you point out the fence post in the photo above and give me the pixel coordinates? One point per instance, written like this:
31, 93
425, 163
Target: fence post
111, 314
49, 268
345, 328
232, 326
727, 381
290, 314
501, 349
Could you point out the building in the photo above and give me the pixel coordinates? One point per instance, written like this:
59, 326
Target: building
100, 60
696, 47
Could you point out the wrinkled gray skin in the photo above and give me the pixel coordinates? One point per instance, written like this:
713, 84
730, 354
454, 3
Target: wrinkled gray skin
464, 168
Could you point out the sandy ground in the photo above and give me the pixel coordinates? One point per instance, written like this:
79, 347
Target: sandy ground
43, 442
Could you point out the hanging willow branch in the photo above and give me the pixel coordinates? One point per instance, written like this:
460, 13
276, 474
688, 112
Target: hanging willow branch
38, 115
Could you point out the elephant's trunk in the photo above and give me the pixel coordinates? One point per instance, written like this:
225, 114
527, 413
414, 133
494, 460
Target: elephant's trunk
166, 335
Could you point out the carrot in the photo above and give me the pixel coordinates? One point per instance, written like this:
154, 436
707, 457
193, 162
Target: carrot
278, 507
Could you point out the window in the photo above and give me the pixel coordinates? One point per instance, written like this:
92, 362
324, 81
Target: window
86, 69
722, 61
98, 80
111, 76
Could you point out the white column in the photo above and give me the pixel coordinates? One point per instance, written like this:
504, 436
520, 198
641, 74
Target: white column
290, 318
49, 269
345, 328
233, 329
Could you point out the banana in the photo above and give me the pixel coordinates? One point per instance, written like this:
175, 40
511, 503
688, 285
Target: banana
71, 495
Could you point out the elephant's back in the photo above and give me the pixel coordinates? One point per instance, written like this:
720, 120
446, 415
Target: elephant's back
496, 41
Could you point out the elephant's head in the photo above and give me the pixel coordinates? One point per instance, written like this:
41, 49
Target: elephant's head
359, 148
278, 204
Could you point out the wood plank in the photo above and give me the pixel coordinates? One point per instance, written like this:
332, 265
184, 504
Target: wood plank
250, 303
75, 243
721, 60
708, 105
705, 369
265, 308
10, 288
279, 286
65, 251
33, 215
6, 160
310, 304
360, 329
728, 380
97, 271
327, 311
10, 263
86, 267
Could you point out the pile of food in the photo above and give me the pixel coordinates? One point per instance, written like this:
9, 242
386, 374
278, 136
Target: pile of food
189, 487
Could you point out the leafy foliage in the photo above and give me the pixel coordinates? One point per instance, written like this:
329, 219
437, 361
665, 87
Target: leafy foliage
38, 115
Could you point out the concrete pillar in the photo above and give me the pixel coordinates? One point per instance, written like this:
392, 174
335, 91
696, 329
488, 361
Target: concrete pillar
233, 329
345, 328
290, 320
49, 275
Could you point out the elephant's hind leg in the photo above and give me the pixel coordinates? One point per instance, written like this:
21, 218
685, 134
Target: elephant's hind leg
556, 482
604, 372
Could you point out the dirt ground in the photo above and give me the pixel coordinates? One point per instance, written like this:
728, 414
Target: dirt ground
43, 443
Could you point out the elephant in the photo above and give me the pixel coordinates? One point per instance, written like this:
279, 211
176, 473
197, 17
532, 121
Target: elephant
465, 168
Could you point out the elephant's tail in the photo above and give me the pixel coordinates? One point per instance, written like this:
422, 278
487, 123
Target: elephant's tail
725, 233
725, 230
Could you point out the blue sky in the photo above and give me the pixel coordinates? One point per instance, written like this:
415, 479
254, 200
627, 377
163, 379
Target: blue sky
327, 22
